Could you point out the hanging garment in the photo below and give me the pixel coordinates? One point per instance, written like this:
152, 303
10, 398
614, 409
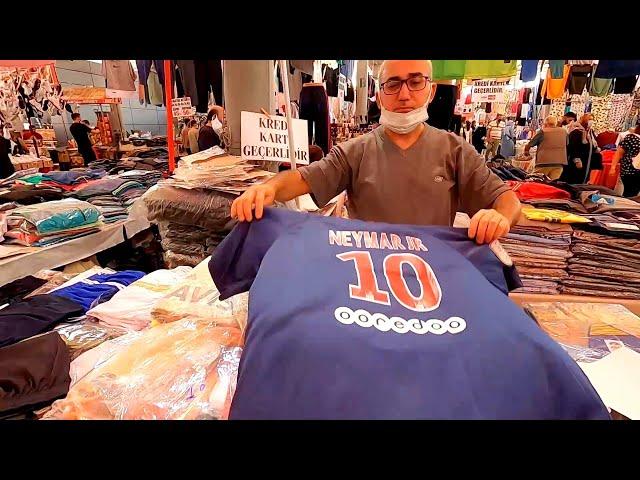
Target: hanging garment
617, 68
556, 67
208, 77
143, 67
442, 106
553, 88
119, 75
579, 79
187, 71
306, 66
330, 78
33, 373
362, 102
625, 84
345, 68
620, 106
601, 87
448, 69
490, 68
371, 337
314, 107
154, 88
529, 70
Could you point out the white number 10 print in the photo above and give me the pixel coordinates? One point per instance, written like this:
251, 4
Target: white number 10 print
368, 290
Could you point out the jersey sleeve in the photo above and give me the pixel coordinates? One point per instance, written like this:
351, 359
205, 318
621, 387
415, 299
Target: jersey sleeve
235, 263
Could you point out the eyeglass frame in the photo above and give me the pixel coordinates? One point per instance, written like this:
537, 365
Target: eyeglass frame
405, 82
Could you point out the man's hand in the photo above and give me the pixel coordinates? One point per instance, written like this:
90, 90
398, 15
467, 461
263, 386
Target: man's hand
487, 226
258, 197
578, 163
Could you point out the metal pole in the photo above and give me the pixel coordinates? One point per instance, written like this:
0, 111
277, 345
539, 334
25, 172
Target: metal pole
287, 100
168, 88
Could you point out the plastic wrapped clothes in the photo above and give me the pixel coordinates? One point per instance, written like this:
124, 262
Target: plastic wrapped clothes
196, 298
174, 259
185, 248
207, 209
3, 225
130, 308
54, 280
181, 370
52, 217
84, 335
587, 331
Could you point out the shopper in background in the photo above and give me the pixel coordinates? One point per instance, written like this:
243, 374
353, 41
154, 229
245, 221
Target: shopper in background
628, 149
6, 167
551, 156
452, 175
581, 150
31, 134
567, 119
508, 141
184, 135
81, 133
467, 131
207, 137
479, 136
20, 147
194, 130
494, 136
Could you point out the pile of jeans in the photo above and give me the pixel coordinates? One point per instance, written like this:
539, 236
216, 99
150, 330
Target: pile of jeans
540, 252
603, 265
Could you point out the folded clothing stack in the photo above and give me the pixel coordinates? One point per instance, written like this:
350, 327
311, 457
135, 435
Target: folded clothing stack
603, 265
540, 251
130, 308
112, 195
99, 288
192, 222
52, 222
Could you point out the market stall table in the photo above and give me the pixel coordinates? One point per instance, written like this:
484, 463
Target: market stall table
36, 259
520, 298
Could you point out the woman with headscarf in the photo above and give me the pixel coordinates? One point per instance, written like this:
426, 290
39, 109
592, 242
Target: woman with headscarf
508, 140
582, 151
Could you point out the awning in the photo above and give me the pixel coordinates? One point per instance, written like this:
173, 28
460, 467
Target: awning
92, 95
26, 63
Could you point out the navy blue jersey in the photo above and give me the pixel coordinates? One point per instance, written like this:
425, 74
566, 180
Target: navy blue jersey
360, 320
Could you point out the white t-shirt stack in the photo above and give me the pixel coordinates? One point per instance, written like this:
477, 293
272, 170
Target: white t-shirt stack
130, 308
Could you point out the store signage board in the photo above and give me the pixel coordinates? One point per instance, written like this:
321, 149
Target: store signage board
266, 138
181, 107
490, 91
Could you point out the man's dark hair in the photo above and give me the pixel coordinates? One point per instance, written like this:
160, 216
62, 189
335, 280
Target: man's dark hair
75, 116
571, 115
210, 115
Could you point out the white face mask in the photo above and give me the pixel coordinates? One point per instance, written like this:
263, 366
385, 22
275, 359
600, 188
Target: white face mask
403, 123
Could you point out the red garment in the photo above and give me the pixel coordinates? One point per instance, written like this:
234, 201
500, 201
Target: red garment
607, 138
602, 177
467, 100
531, 190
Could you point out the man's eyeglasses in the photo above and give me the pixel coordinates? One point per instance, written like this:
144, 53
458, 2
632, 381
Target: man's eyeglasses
414, 84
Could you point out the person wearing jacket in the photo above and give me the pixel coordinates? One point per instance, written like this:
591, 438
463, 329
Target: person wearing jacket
508, 141
581, 149
478, 137
551, 156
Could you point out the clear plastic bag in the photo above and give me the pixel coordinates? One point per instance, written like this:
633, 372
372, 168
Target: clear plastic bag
181, 370
587, 331
84, 335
